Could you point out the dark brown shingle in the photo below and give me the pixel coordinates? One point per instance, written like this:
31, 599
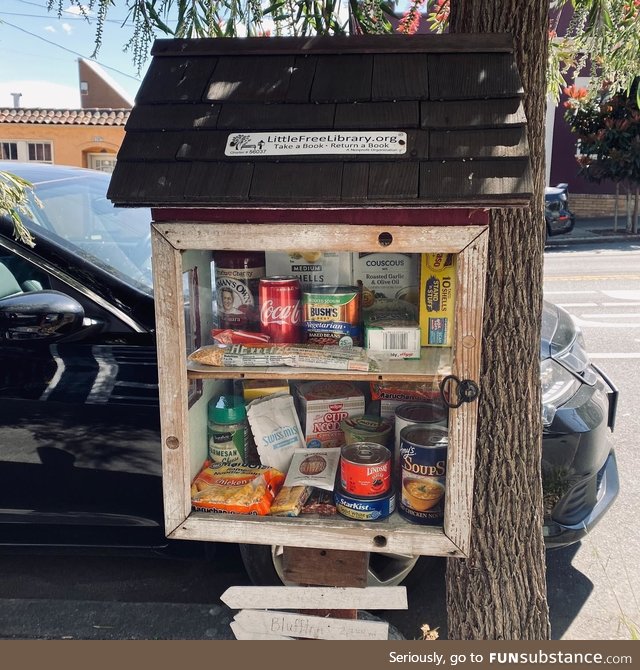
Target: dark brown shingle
456, 97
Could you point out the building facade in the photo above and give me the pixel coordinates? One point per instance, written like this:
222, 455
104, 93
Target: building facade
88, 137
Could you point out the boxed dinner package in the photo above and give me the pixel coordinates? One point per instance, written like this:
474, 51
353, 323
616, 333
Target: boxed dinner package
391, 329
390, 276
323, 405
437, 299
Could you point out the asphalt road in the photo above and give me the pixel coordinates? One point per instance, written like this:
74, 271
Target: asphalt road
596, 584
593, 586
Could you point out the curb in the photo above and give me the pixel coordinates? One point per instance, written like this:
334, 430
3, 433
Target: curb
563, 241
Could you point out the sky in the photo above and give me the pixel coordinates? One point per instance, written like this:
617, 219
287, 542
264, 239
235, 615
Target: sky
39, 54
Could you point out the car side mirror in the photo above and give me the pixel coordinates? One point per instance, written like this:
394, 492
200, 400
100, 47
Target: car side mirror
39, 315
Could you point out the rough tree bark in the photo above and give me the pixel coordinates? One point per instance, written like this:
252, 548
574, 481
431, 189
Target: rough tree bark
499, 592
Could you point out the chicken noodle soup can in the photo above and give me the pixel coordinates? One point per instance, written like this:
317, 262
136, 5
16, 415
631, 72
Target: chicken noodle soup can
365, 509
332, 315
365, 469
280, 308
423, 456
425, 413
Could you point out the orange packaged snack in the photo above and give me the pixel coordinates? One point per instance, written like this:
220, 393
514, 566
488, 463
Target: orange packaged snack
237, 489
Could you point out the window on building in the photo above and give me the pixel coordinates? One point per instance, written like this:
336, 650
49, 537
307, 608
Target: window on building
84, 88
9, 151
102, 162
40, 152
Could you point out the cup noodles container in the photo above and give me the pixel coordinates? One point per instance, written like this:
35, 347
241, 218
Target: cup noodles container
323, 406
312, 268
394, 276
437, 299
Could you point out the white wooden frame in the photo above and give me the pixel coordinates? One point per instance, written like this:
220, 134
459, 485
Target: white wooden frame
394, 534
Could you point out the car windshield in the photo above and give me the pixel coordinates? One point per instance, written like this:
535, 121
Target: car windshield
77, 214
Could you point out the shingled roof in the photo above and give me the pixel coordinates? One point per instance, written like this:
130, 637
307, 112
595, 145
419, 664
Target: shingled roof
65, 117
456, 98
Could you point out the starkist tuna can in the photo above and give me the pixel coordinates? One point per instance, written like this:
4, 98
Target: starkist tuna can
365, 469
423, 458
365, 509
332, 315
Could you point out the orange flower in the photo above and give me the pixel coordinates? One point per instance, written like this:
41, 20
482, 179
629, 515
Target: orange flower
574, 92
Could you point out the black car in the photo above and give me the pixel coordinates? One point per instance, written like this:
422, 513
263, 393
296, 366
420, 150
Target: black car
559, 219
79, 416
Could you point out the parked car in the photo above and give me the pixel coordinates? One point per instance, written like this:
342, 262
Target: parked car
79, 417
558, 217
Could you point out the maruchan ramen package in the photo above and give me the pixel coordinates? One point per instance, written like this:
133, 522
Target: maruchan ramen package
235, 489
437, 299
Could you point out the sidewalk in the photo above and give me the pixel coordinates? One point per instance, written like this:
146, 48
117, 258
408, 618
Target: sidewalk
594, 230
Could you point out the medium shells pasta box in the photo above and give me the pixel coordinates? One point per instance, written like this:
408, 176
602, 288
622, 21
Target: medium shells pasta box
312, 268
323, 406
437, 299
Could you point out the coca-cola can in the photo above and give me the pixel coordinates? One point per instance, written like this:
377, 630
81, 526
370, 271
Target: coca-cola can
280, 309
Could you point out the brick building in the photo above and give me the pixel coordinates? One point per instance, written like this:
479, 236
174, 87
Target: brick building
86, 137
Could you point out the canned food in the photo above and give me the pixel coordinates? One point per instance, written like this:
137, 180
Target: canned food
332, 315
365, 509
424, 413
366, 428
365, 469
237, 277
423, 454
280, 309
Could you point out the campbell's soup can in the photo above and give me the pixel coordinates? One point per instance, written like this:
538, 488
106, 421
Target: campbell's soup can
423, 473
332, 315
425, 413
280, 308
365, 469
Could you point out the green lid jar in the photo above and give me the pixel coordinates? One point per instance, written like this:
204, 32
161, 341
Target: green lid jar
366, 428
227, 430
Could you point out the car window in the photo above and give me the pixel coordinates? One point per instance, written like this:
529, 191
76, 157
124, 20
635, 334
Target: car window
76, 211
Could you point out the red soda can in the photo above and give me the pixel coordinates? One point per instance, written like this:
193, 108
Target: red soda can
280, 309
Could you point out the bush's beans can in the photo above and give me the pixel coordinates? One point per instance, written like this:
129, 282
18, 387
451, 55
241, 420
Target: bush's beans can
280, 309
365, 469
332, 315
365, 509
423, 413
423, 455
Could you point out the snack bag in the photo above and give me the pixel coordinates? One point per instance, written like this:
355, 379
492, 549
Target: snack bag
239, 489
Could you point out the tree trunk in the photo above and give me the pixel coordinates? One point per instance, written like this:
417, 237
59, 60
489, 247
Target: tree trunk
634, 229
499, 592
616, 208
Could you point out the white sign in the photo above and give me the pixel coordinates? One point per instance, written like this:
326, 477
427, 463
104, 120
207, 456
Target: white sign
311, 627
285, 143
315, 597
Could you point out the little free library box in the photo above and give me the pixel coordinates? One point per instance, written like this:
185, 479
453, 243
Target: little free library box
350, 162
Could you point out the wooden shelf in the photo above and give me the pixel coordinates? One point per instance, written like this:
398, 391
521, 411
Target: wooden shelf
391, 535
434, 364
